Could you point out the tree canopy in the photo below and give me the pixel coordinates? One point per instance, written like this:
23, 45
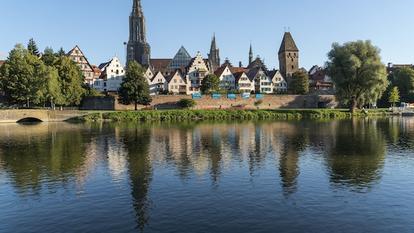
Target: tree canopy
358, 73
135, 87
403, 78
210, 84
32, 48
299, 84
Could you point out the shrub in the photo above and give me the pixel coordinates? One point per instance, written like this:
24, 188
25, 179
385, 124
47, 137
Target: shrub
187, 103
258, 103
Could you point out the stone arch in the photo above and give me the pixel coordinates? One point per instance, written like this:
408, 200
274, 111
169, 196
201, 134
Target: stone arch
29, 120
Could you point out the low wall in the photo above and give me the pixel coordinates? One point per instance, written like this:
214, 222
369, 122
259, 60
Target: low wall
98, 103
269, 102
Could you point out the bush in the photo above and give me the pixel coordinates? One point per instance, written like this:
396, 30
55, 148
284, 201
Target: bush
187, 103
258, 103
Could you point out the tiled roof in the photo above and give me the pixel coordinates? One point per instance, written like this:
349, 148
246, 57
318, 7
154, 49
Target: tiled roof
288, 44
160, 65
2, 62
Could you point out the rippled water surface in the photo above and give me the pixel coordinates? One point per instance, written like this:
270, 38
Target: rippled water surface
341, 176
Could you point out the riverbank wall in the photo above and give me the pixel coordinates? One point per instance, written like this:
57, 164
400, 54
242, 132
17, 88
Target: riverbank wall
164, 102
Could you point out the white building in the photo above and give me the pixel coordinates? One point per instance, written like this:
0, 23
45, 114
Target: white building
244, 84
197, 71
278, 82
112, 75
227, 79
159, 84
178, 84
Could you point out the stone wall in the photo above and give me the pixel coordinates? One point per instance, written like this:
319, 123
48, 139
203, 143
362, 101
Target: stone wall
269, 102
98, 103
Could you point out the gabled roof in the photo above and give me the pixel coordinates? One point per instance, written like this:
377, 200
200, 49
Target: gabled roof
253, 73
257, 63
2, 62
288, 44
70, 53
170, 77
238, 75
156, 74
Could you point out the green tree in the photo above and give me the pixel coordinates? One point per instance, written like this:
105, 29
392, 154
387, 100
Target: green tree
70, 79
404, 79
210, 84
299, 84
61, 52
23, 77
135, 87
394, 96
32, 48
358, 73
49, 56
187, 103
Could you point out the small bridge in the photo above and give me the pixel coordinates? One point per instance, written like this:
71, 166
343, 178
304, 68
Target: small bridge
16, 116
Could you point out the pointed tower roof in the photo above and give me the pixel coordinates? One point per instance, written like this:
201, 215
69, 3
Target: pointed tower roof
137, 8
213, 43
251, 49
288, 44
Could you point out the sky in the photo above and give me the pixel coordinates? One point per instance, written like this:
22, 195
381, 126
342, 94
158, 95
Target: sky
100, 27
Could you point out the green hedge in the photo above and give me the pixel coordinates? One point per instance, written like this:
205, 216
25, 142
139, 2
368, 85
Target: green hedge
221, 115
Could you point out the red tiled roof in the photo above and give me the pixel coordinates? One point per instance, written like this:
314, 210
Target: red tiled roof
2, 62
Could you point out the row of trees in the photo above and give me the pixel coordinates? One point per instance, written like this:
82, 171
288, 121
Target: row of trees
32, 79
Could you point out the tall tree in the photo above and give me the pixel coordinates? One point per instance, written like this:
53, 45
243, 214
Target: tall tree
135, 87
358, 73
70, 79
394, 96
210, 84
404, 79
32, 47
23, 76
61, 52
299, 84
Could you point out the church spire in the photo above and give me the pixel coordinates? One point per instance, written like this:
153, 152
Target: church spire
136, 8
250, 54
138, 49
214, 55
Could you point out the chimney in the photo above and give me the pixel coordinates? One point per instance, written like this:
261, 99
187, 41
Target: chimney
240, 64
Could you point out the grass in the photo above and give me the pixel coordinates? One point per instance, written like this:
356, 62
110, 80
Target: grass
222, 115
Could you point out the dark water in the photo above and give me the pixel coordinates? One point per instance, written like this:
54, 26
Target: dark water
343, 176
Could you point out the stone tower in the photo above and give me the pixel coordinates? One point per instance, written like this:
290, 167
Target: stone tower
250, 54
288, 56
137, 48
214, 55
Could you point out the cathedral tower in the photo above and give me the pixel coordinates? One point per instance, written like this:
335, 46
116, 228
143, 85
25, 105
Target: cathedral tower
250, 54
137, 48
214, 56
288, 56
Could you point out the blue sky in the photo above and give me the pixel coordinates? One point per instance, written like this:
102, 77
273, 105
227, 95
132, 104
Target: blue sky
101, 27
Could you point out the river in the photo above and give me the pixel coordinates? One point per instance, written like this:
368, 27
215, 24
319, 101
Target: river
298, 176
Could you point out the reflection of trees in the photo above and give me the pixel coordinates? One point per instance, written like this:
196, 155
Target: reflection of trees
293, 142
211, 140
140, 170
357, 154
44, 152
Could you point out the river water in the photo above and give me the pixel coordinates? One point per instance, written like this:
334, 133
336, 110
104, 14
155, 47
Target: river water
336, 176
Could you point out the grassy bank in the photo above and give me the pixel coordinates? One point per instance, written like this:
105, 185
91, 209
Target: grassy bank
221, 115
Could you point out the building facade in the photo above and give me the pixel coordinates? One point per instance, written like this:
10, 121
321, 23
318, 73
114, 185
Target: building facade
80, 59
112, 75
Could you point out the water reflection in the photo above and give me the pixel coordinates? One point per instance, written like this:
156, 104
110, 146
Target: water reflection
51, 156
357, 154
